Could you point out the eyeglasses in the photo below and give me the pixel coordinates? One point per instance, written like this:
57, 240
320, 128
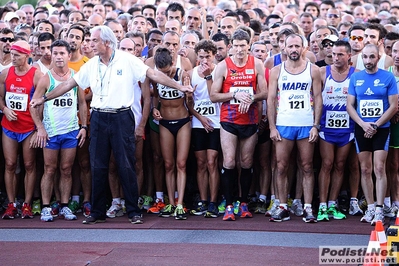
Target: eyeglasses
326, 44
343, 32
354, 38
333, 16
5, 39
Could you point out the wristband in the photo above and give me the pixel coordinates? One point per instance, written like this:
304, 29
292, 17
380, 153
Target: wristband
85, 128
45, 98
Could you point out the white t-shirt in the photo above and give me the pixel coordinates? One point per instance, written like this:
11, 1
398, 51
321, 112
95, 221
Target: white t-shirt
112, 85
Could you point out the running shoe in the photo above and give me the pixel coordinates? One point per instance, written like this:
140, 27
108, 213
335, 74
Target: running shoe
180, 214
322, 215
236, 205
86, 208
157, 206
335, 213
11, 212
261, 207
45, 215
390, 211
92, 220
273, 207
137, 219
280, 215
212, 211
147, 202
252, 203
297, 208
343, 203
244, 212
354, 208
368, 216
115, 210
67, 214
55, 208
26, 211
229, 213
36, 207
308, 216
73, 206
222, 206
201, 208
378, 216
167, 211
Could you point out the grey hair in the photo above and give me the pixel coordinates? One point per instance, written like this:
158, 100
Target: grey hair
189, 32
106, 35
369, 7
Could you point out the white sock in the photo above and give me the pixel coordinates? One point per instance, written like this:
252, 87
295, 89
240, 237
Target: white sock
159, 195
273, 197
370, 207
307, 205
331, 202
387, 201
116, 200
323, 204
76, 198
262, 197
296, 201
176, 195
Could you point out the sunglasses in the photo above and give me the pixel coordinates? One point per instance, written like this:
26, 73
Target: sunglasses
333, 16
343, 32
354, 38
326, 44
5, 39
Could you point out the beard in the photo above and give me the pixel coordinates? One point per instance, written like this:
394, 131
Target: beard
294, 56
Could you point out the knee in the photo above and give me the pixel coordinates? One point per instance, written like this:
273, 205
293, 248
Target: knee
379, 170
327, 165
157, 158
212, 164
366, 172
307, 168
169, 166
10, 165
181, 165
201, 165
50, 169
30, 166
229, 163
66, 171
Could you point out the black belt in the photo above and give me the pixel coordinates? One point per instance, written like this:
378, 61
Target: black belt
111, 110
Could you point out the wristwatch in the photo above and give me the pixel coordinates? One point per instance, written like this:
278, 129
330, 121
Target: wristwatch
45, 98
317, 126
209, 77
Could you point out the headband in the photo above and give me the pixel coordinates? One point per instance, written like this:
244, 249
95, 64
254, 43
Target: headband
20, 49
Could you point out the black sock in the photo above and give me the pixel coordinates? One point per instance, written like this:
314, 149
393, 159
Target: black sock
46, 205
245, 181
63, 205
226, 178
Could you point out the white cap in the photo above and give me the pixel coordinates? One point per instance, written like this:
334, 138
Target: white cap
10, 15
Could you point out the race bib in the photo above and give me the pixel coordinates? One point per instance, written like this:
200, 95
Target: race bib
170, 94
249, 90
337, 119
371, 108
64, 101
298, 102
17, 101
205, 108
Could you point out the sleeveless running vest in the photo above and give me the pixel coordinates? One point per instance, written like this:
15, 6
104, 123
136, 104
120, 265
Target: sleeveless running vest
167, 93
60, 114
335, 118
239, 79
360, 65
19, 92
202, 104
295, 104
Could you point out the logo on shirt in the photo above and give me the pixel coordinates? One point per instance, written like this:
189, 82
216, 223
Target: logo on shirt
337, 90
345, 90
329, 89
359, 82
377, 83
284, 78
369, 92
249, 71
233, 72
119, 72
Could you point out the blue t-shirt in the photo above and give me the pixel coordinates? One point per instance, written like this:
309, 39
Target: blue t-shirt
371, 92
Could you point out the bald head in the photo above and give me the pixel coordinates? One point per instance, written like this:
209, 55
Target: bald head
21, 44
127, 45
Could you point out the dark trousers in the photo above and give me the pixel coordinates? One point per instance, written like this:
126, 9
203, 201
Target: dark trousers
113, 131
